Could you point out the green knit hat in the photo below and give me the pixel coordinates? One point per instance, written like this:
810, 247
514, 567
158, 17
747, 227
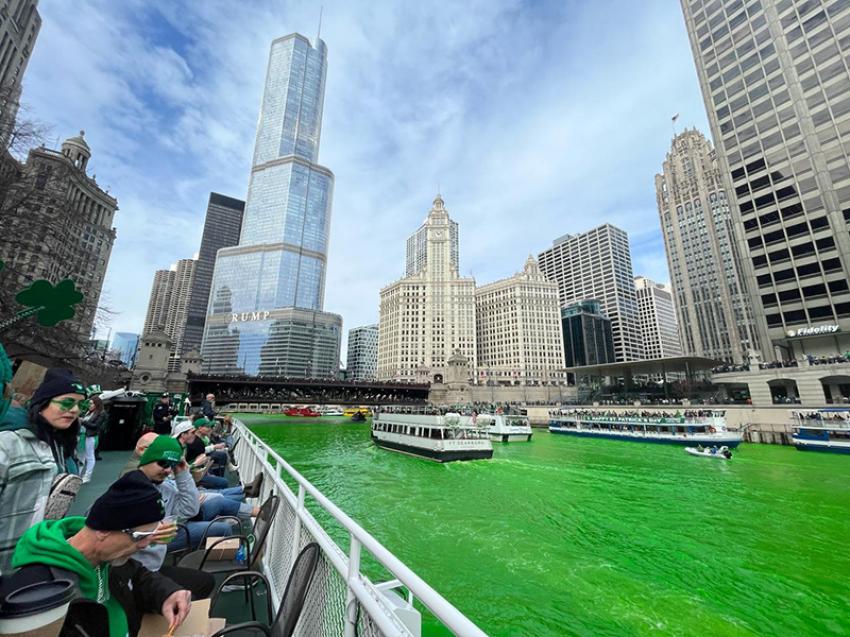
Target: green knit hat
203, 422
162, 448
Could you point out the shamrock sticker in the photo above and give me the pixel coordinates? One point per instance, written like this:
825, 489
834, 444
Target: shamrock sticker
51, 304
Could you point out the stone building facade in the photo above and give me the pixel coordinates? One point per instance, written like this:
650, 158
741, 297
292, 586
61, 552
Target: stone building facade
714, 314
518, 329
428, 317
61, 222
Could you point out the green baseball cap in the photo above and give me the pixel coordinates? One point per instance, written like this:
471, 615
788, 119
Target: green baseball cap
162, 448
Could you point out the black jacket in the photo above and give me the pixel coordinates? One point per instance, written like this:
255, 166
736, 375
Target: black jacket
137, 589
207, 409
94, 424
162, 418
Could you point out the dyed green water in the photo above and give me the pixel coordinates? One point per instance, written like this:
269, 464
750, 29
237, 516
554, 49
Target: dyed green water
565, 536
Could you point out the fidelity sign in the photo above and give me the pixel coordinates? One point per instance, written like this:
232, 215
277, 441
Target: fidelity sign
814, 331
241, 317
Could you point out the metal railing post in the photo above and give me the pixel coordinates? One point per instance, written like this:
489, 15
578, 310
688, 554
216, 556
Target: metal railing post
296, 533
350, 597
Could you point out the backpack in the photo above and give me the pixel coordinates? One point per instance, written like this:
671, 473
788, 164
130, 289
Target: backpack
63, 491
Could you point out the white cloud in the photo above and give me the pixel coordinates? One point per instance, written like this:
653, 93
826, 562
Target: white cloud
535, 119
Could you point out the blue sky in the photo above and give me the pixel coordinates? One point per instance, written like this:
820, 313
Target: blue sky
535, 119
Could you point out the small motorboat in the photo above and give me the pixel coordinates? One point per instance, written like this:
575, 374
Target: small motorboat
722, 453
358, 417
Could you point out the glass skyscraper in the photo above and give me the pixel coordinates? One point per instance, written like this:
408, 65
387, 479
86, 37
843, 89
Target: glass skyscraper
279, 265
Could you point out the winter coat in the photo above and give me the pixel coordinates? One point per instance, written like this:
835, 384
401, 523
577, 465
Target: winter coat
125, 592
94, 423
162, 418
27, 470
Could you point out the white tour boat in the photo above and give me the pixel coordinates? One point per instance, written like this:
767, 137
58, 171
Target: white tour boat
822, 430
443, 438
330, 410
501, 427
693, 427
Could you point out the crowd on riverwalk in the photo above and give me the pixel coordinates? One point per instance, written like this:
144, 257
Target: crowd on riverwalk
808, 359
120, 557
661, 416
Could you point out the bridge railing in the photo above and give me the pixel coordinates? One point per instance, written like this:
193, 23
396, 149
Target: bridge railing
342, 599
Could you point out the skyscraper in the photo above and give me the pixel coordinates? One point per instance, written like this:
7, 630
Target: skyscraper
265, 310
175, 319
598, 265
658, 325
417, 252
362, 359
518, 329
776, 86
715, 317
159, 301
427, 317
221, 230
20, 23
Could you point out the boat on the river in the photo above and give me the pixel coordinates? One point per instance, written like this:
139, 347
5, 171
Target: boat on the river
723, 453
501, 427
691, 427
350, 411
358, 417
822, 430
330, 410
440, 437
302, 412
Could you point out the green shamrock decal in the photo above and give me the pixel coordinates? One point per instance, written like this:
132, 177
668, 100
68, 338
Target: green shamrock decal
50, 304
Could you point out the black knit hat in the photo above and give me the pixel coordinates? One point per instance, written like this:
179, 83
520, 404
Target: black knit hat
57, 381
131, 501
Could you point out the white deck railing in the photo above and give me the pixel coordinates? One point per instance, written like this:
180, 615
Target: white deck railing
342, 600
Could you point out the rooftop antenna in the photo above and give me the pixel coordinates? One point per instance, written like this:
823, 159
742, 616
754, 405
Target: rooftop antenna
319, 33
673, 123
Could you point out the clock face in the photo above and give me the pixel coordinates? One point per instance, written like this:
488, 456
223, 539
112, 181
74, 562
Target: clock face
438, 234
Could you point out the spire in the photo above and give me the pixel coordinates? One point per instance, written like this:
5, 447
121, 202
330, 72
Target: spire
439, 204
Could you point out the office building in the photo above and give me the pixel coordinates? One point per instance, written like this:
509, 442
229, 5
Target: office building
588, 339
125, 345
597, 265
417, 253
222, 225
713, 308
55, 204
518, 329
429, 316
275, 276
776, 85
362, 360
658, 325
20, 23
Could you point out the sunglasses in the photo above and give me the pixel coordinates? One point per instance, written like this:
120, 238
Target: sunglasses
167, 464
67, 404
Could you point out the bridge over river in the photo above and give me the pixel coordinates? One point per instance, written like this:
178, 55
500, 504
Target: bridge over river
244, 390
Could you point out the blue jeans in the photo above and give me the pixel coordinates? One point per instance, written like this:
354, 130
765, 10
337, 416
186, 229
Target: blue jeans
213, 482
212, 507
196, 531
234, 493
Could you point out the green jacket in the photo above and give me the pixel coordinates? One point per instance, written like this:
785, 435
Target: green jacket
27, 470
46, 543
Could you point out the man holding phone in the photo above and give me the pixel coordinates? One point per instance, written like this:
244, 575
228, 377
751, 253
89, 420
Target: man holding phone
163, 464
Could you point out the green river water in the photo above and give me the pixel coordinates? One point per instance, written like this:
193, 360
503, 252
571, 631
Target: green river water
568, 536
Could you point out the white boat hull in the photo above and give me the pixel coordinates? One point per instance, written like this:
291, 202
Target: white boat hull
705, 453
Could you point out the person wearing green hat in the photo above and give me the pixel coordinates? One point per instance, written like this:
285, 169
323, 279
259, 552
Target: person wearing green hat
163, 464
202, 445
95, 553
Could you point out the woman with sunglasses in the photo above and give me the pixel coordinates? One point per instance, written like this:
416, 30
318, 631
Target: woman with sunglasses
33, 452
